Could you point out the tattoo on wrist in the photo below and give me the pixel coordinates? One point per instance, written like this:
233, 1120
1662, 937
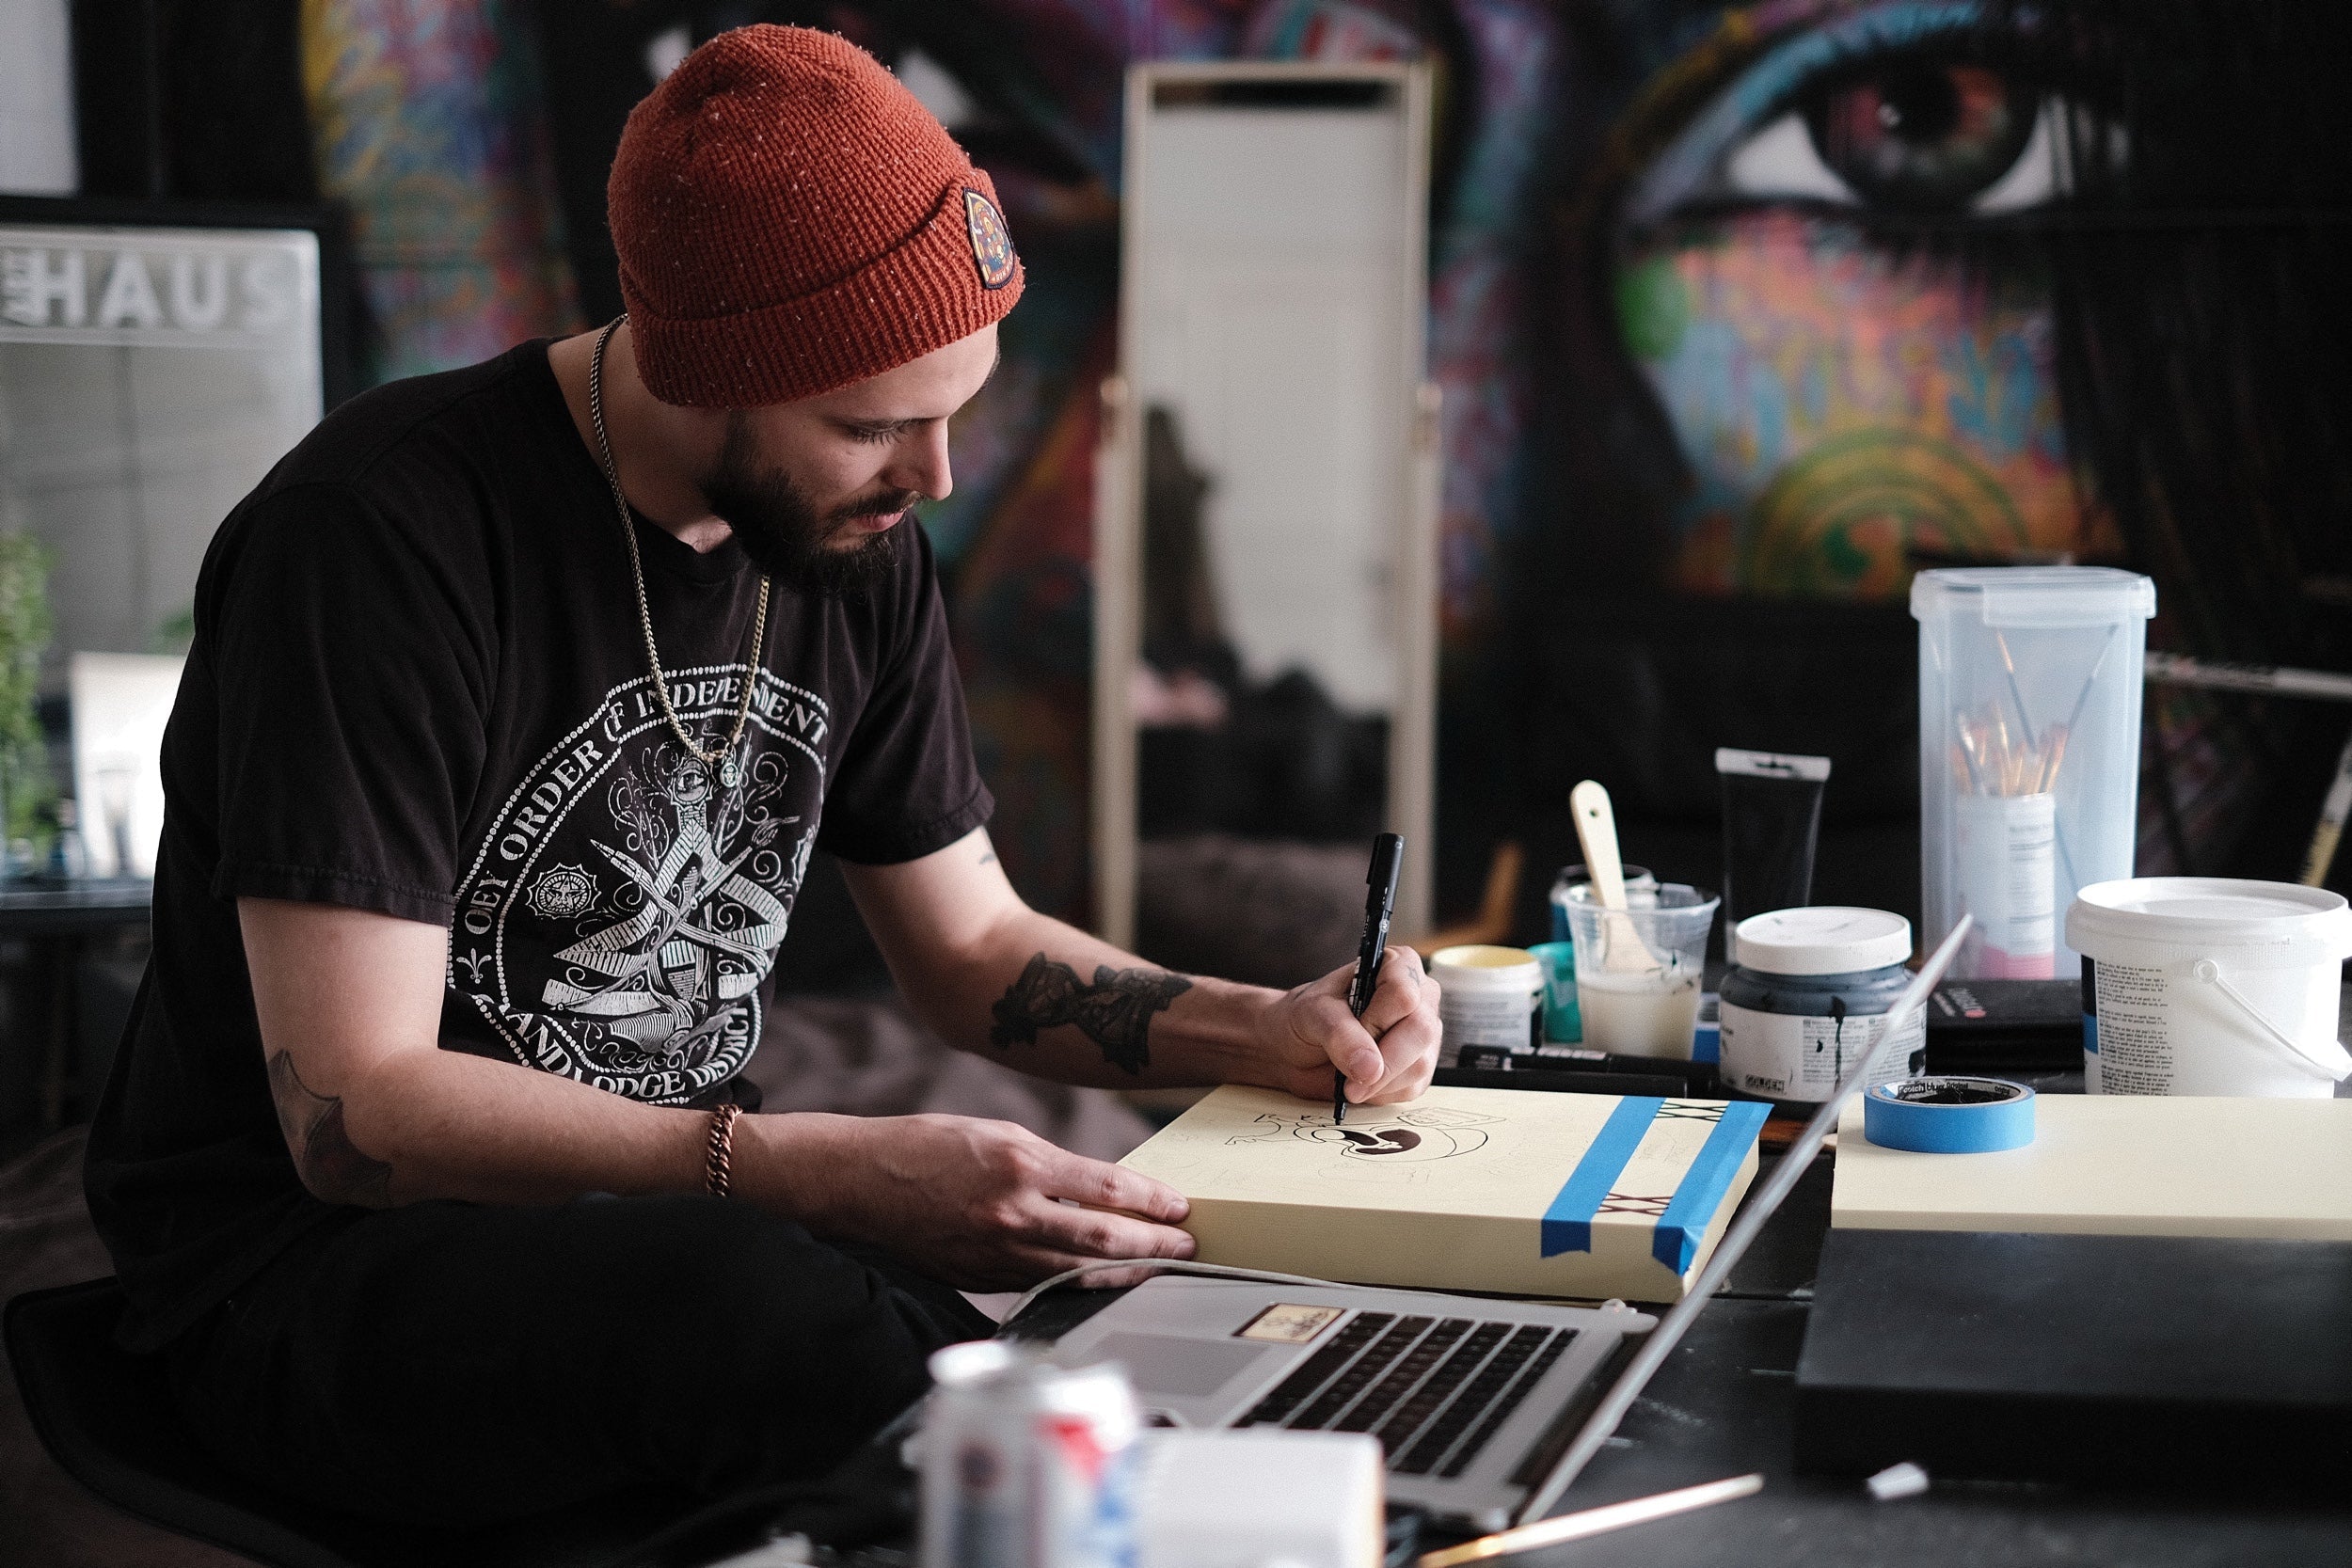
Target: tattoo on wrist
1115, 1012
331, 1164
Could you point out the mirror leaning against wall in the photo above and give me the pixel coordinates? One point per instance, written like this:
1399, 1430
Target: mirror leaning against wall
1265, 525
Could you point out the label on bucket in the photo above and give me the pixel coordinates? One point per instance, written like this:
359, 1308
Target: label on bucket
2003, 862
1786, 1056
2127, 1041
2198, 1029
2090, 1012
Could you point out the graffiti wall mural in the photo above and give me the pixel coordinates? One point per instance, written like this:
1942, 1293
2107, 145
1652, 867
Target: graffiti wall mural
425, 124
1851, 289
1730, 304
1850, 400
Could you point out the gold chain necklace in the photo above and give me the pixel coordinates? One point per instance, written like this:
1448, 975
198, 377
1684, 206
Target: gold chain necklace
721, 759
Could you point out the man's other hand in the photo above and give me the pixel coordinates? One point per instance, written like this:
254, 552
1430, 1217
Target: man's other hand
978, 1204
1387, 1055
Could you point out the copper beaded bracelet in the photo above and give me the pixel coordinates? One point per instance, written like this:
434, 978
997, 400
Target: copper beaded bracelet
721, 1142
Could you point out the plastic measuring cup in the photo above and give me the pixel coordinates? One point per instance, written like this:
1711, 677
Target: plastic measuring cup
1638, 970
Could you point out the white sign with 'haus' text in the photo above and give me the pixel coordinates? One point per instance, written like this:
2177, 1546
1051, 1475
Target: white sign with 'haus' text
149, 378
149, 289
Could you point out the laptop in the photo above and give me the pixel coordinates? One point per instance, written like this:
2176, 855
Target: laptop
1486, 1410
1473, 1400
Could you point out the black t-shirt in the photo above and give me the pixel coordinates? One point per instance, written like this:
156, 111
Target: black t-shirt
419, 685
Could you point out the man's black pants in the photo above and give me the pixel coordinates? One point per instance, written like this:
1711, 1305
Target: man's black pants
453, 1364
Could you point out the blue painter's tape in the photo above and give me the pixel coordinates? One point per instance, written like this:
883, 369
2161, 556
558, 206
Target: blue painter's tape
1569, 1223
1979, 1116
1692, 1210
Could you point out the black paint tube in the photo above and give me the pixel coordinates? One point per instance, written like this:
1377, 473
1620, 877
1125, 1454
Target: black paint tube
1771, 820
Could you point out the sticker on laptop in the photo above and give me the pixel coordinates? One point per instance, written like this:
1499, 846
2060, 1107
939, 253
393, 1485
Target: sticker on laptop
1288, 1323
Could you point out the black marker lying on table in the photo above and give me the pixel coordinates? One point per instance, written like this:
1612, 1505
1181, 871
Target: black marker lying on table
1387, 858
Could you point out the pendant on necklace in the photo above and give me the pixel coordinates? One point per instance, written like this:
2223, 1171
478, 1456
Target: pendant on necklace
729, 774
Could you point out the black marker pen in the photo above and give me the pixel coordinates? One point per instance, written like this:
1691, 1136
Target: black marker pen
1387, 858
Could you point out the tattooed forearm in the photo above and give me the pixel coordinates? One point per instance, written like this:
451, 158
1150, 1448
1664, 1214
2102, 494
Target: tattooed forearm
1115, 1012
331, 1166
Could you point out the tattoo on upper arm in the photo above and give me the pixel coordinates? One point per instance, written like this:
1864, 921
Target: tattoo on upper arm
331, 1166
1115, 1012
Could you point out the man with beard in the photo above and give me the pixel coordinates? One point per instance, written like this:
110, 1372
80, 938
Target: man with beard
520, 697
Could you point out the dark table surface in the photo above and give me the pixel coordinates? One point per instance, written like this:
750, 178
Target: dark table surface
53, 924
1724, 1405
66, 908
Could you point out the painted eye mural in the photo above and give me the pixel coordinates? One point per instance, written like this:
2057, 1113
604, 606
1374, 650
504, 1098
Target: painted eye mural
1766, 305
1822, 277
1844, 290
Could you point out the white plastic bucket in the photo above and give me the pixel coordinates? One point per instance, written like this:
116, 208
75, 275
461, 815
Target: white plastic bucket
1486, 997
2210, 986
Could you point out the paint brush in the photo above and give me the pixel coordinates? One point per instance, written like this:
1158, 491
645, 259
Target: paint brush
2016, 694
2181, 669
2053, 755
2075, 715
1594, 1521
2055, 739
2328, 831
1968, 753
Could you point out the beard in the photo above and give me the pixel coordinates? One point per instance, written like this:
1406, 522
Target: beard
825, 553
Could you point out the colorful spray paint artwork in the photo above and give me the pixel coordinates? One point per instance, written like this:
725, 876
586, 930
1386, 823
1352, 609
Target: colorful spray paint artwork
426, 127
1846, 412
1818, 276
1780, 299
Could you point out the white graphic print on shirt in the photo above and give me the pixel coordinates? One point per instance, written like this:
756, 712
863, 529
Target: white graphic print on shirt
626, 901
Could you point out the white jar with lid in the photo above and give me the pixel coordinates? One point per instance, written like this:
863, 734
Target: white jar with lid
1486, 999
1806, 1000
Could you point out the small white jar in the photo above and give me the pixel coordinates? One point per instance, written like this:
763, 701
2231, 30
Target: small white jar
1487, 1000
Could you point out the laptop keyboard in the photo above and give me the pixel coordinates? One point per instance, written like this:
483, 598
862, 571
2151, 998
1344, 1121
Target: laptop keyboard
1432, 1390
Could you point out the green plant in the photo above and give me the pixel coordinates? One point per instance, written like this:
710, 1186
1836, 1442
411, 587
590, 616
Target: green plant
27, 793
174, 632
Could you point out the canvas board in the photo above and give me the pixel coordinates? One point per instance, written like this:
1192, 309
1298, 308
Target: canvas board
2120, 1165
1584, 1196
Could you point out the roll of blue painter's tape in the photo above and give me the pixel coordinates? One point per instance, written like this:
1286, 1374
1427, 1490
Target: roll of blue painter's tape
1948, 1116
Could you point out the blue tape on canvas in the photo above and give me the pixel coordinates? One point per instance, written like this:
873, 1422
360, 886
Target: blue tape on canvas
1979, 1127
1569, 1223
1692, 1210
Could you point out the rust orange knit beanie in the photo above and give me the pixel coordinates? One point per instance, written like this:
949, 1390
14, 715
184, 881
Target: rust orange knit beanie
790, 220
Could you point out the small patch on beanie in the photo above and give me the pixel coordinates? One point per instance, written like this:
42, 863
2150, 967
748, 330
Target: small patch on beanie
991, 247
